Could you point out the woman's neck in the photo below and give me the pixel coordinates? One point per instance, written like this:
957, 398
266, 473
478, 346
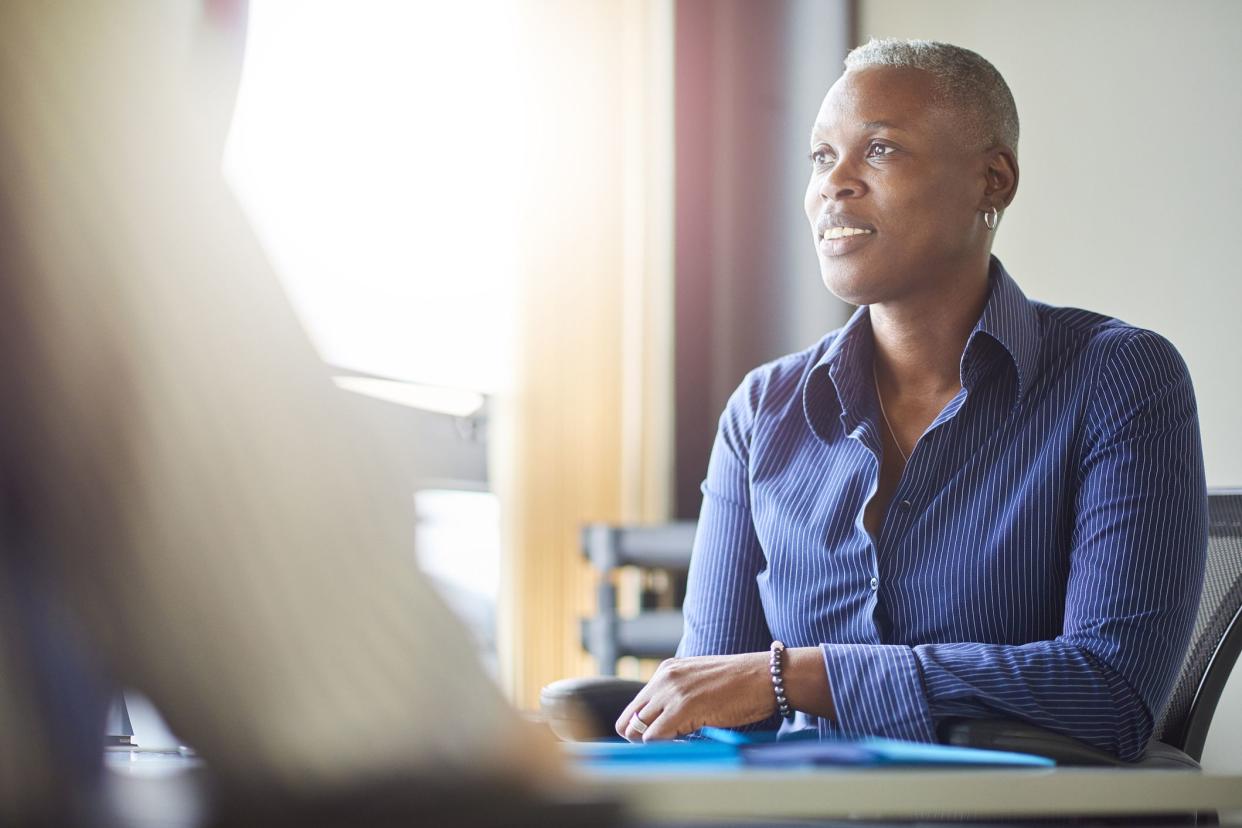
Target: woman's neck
919, 340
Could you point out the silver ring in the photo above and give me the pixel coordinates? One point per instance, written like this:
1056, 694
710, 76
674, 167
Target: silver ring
638, 724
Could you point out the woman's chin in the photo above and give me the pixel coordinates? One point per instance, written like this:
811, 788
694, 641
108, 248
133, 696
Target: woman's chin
849, 285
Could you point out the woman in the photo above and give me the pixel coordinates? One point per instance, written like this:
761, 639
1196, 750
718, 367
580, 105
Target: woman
961, 503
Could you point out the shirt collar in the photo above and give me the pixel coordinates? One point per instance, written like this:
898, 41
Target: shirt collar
1009, 319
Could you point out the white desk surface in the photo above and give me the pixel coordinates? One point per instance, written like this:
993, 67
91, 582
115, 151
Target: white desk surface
896, 793
670, 792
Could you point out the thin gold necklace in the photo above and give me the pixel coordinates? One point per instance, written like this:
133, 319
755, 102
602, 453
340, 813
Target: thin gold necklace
905, 458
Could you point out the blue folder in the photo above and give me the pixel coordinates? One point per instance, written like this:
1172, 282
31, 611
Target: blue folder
874, 751
692, 752
714, 747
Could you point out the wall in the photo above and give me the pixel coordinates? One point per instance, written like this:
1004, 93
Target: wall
1127, 202
749, 80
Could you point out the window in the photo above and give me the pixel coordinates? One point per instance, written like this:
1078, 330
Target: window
370, 148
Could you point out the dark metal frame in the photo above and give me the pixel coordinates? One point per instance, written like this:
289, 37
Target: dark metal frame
1192, 735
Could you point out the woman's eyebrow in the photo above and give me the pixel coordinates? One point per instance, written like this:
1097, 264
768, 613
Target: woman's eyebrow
822, 127
883, 125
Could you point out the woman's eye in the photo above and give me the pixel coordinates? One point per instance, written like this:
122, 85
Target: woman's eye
820, 157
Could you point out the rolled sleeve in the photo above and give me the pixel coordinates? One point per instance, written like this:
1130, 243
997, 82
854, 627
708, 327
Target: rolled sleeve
877, 690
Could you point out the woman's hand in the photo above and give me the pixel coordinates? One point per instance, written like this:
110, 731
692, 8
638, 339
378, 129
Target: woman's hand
686, 694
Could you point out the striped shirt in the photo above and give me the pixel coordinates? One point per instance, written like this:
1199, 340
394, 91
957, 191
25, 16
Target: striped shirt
1041, 557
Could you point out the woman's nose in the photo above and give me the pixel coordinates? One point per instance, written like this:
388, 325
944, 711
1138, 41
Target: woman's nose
841, 182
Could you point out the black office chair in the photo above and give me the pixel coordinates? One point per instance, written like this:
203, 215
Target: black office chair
585, 708
1214, 646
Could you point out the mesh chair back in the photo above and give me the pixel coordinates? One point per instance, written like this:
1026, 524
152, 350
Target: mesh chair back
1222, 598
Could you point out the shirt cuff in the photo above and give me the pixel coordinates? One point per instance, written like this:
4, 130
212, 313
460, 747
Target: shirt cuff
877, 690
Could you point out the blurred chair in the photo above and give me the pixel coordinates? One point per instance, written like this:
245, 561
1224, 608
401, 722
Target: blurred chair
588, 707
652, 633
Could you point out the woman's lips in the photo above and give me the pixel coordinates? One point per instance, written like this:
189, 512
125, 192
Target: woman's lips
845, 244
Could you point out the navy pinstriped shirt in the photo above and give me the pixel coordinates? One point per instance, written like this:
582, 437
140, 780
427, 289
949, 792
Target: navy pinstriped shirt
1041, 557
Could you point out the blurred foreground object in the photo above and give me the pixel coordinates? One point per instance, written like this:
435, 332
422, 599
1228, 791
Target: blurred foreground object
184, 506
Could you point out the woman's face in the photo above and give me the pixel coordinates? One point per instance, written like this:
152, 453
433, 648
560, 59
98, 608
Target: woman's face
888, 162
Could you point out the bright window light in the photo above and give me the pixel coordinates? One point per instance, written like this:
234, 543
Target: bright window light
373, 147
456, 402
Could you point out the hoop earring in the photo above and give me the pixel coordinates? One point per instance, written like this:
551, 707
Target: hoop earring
991, 218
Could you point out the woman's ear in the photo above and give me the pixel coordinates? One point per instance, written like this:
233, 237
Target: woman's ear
1002, 178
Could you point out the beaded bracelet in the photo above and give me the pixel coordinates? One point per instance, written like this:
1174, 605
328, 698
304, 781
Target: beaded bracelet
778, 682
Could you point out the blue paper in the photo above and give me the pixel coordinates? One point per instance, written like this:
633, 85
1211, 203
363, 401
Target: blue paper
874, 751
893, 751
697, 752
727, 748
805, 752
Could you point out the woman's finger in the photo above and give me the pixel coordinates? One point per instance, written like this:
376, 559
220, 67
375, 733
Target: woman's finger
640, 721
663, 726
650, 716
636, 704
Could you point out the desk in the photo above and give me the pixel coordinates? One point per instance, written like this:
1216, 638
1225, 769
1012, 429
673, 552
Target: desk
165, 791
744, 793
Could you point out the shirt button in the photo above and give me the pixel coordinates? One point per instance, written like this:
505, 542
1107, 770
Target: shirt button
875, 584
905, 505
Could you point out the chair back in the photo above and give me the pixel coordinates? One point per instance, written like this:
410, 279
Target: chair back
1217, 635
653, 632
